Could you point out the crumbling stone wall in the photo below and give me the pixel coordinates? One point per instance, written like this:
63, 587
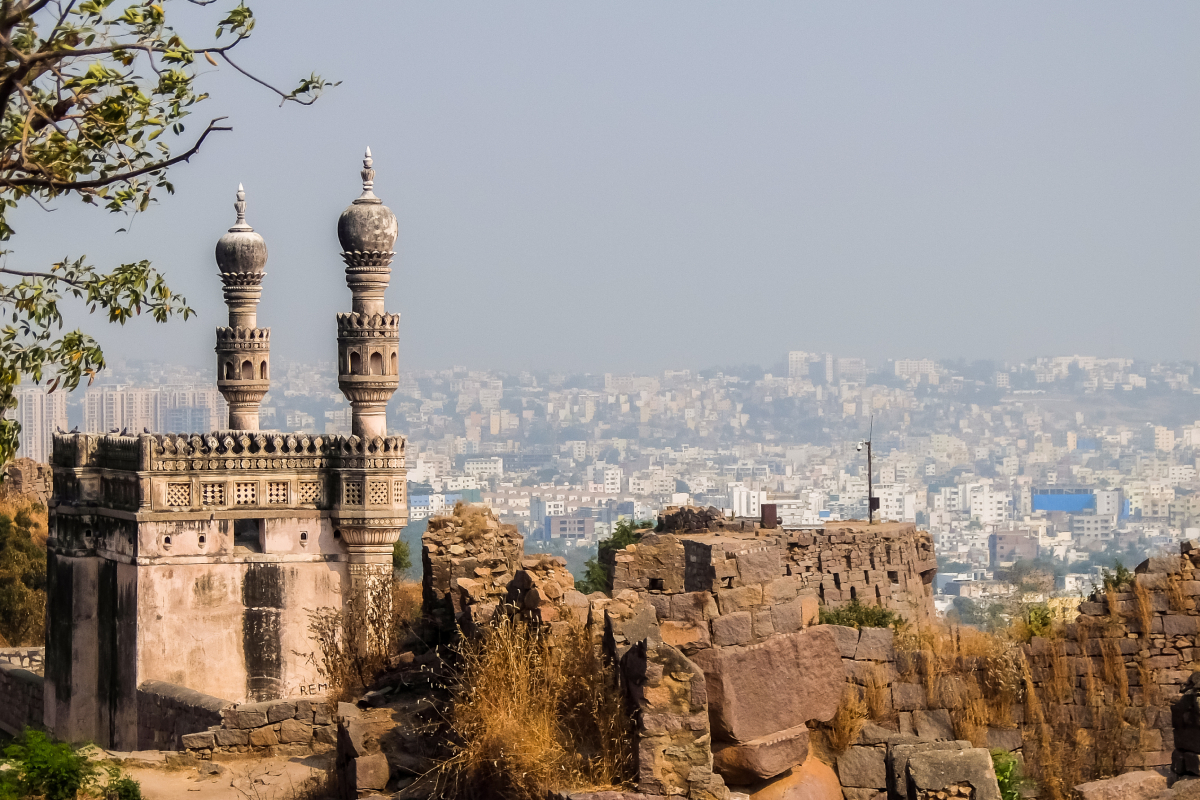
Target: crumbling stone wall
166, 712
24, 476
21, 698
30, 658
887, 564
290, 727
468, 559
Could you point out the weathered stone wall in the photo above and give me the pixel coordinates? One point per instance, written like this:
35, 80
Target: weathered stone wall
167, 712
31, 658
21, 698
290, 727
468, 559
24, 476
887, 564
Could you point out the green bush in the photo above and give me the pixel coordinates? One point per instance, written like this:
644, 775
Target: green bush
1120, 578
858, 615
401, 556
1008, 775
35, 766
595, 577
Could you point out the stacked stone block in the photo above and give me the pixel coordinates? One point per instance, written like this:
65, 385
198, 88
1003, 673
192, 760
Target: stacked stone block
291, 727
468, 560
30, 658
543, 590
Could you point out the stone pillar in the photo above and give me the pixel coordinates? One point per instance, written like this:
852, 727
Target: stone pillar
368, 336
243, 349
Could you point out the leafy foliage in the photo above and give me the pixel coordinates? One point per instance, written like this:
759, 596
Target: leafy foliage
401, 556
859, 615
36, 766
91, 97
22, 575
1008, 774
595, 576
1119, 578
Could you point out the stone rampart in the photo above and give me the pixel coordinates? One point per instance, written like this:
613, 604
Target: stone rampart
290, 727
166, 713
21, 698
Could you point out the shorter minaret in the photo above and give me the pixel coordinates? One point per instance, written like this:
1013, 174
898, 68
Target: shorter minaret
243, 349
368, 337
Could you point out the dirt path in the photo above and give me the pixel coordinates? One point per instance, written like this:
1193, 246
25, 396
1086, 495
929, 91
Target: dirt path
259, 779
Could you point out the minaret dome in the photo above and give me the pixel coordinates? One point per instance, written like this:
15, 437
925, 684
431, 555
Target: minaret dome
367, 226
241, 251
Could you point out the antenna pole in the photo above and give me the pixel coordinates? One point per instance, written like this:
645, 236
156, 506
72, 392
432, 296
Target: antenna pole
870, 475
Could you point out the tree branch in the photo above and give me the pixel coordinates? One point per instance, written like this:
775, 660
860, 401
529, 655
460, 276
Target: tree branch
71, 186
260, 81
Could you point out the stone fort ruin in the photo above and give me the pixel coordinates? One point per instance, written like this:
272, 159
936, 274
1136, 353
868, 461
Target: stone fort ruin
190, 559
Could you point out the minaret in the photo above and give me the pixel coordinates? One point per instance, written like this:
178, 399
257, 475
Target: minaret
243, 349
368, 337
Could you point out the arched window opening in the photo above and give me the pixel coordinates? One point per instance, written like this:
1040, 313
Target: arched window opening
395, 365
262, 371
228, 370
355, 364
376, 364
247, 371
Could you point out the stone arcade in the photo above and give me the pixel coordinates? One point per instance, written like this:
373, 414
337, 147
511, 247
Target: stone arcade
194, 560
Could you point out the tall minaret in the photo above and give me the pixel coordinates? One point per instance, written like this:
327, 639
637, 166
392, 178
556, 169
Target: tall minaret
243, 349
368, 337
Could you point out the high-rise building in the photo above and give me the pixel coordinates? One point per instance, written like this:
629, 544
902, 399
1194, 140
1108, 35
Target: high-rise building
798, 363
851, 370
912, 368
40, 413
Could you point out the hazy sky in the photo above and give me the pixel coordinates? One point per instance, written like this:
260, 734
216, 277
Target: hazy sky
638, 185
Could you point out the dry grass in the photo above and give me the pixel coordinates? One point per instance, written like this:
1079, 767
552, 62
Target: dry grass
380, 621
1114, 672
12, 505
1141, 603
847, 723
532, 713
876, 693
1151, 696
1175, 598
1062, 674
1114, 605
972, 715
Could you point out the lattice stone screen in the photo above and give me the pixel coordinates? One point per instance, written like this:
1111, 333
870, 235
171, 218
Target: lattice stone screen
245, 494
277, 492
310, 492
212, 494
377, 492
179, 494
353, 493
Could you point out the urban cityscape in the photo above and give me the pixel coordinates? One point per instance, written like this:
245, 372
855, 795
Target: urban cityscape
1073, 463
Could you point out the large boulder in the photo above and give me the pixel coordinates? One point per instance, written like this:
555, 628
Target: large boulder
934, 771
1130, 786
812, 780
766, 688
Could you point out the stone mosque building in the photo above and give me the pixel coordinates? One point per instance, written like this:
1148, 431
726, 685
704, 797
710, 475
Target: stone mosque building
196, 559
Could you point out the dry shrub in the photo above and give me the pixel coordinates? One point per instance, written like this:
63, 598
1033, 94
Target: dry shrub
353, 645
1001, 685
1141, 602
1114, 672
949, 660
532, 713
876, 693
22, 571
970, 716
1042, 754
1148, 678
1174, 587
848, 722
1114, 605
1062, 674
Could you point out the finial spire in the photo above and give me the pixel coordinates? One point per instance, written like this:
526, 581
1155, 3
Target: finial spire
368, 179
240, 207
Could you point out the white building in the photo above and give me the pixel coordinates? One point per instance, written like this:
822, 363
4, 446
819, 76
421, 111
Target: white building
39, 413
746, 502
485, 467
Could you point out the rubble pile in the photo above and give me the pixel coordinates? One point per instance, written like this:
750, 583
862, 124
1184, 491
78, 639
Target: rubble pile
468, 560
689, 518
544, 591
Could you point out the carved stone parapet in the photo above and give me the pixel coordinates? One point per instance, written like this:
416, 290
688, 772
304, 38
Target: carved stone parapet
242, 392
240, 339
371, 532
368, 388
355, 325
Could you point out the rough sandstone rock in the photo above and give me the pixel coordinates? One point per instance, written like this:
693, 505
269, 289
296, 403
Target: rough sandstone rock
1130, 786
762, 758
863, 767
875, 644
897, 761
933, 724
369, 773
293, 731
908, 696
937, 770
847, 639
812, 780
765, 688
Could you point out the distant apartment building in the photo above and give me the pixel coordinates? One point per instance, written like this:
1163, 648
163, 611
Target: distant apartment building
480, 468
746, 502
1164, 439
851, 370
171, 409
914, 368
39, 413
1006, 547
572, 529
798, 361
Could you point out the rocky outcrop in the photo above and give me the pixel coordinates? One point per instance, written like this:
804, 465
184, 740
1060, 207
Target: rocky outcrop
468, 560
